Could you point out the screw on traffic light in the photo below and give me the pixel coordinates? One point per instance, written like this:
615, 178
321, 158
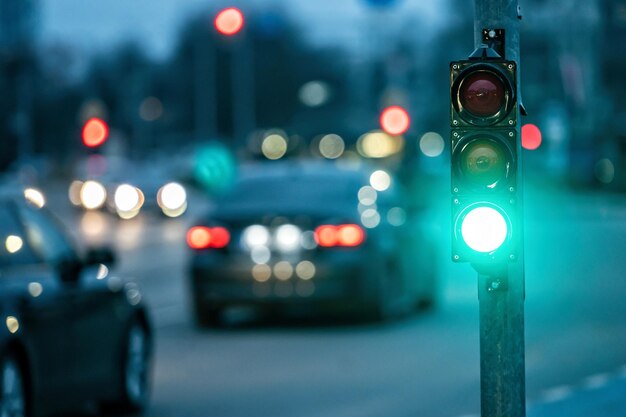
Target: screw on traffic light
485, 207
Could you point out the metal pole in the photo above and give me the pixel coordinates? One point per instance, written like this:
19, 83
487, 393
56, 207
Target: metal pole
205, 87
501, 292
243, 85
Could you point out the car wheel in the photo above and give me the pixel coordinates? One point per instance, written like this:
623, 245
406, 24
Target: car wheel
135, 371
13, 393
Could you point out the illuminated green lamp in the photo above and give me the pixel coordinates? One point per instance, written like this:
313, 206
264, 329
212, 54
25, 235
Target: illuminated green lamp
484, 229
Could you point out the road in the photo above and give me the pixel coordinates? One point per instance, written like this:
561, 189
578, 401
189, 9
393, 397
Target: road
425, 365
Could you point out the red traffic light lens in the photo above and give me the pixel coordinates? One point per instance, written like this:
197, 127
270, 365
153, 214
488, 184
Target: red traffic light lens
484, 162
95, 132
395, 120
482, 93
229, 21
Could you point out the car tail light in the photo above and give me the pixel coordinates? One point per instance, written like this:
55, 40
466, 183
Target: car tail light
348, 235
202, 237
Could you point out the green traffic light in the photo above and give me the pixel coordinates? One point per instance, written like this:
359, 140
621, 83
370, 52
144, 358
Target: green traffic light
484, 229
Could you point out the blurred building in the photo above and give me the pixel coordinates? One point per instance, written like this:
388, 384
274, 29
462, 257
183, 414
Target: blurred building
18, 30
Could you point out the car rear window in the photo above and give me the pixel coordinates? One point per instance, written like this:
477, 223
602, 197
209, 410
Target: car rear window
297, 190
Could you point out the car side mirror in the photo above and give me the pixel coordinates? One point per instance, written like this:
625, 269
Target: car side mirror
102, 255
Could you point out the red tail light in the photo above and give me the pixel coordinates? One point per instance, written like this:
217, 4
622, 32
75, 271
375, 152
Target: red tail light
339, 235
201, 237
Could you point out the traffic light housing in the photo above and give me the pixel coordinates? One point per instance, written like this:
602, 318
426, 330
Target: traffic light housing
485, 149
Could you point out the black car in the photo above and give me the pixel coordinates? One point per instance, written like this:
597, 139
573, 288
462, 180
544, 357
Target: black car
72, 334
311, 236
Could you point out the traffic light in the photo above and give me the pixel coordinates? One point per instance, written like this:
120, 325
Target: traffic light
485, 161
229, 21
95, 132
395, 120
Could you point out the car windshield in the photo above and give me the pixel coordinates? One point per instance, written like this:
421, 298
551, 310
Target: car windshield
13, 247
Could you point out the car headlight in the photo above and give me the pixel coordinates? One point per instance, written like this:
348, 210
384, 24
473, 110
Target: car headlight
172, 196
127, 198
255, 235
92, 195
288, 238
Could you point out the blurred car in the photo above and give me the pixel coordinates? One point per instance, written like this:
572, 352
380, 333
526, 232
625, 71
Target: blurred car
73, 334
126, 188
127, 198
311, 236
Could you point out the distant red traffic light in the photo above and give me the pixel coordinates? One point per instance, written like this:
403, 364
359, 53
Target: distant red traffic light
395, 120
95, 132
531, 137
229, 21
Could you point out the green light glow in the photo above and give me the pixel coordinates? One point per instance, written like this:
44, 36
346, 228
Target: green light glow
484, 229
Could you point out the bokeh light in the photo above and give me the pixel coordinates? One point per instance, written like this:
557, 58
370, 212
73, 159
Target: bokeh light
378, 144
314, 93
95, 132
35, 289
214, 167
305, 270
332, 146
13, 243
396, 216
531, 137
126, 197
431, 144
255, 235
229, 21
74, 192
35, 197
380, 180
92, 195
274, 146
13, 325
350, 235
370, 218
287, 238
395, 120
171, 197
283, 270
367, 195
261, 272
260, 254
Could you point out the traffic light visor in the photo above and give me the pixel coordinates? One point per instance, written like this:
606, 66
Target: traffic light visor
484, 229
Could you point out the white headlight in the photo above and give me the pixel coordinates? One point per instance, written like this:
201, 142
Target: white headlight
172, 196
288, 238
92, 195
255, 235
35, 197
127, 198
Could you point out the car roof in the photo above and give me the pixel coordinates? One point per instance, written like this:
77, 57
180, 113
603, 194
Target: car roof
304, 169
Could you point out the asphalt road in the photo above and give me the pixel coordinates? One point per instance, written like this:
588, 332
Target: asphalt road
426, 365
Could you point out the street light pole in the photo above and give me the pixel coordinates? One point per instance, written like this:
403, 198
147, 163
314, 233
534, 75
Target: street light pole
501, 290
204, 91
243, 86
